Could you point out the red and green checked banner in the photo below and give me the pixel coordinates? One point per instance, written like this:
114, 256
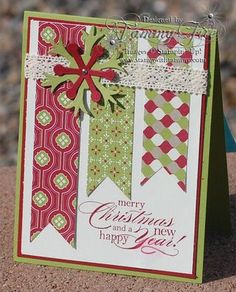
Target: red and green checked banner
165, 137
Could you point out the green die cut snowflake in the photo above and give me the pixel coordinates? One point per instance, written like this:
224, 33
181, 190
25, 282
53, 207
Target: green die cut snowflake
61, 181
42, 158
48, 34
87, 67
59, 221
63, 140
40, 199
44, 117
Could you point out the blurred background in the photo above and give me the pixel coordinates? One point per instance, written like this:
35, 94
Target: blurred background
11, 16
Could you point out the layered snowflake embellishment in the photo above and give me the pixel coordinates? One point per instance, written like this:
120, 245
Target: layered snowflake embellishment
87, 66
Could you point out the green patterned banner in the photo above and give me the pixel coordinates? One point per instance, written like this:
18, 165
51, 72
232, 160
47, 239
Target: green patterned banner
110, 144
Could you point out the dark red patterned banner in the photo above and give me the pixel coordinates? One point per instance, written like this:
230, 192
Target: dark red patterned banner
56, 148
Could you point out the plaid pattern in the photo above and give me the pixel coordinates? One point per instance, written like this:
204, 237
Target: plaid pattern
165, 137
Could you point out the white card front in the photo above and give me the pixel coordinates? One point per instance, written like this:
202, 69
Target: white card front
155, 228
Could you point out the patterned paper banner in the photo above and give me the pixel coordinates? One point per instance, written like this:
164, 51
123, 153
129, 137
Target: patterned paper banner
111, 145
166, 113
56, 149
165, 138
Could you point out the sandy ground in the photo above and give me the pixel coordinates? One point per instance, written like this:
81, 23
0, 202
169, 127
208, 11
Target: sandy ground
220, 259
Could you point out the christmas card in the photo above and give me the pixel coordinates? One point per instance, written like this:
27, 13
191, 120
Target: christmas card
121, 163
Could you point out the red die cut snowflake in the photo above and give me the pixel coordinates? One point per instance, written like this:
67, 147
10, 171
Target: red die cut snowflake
85, 71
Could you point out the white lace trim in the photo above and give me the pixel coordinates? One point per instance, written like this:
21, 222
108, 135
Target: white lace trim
36, 66
161, 78
138, 75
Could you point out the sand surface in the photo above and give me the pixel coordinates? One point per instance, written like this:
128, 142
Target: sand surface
220, 258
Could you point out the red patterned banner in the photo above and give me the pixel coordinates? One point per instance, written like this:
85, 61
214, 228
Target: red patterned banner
56, 148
